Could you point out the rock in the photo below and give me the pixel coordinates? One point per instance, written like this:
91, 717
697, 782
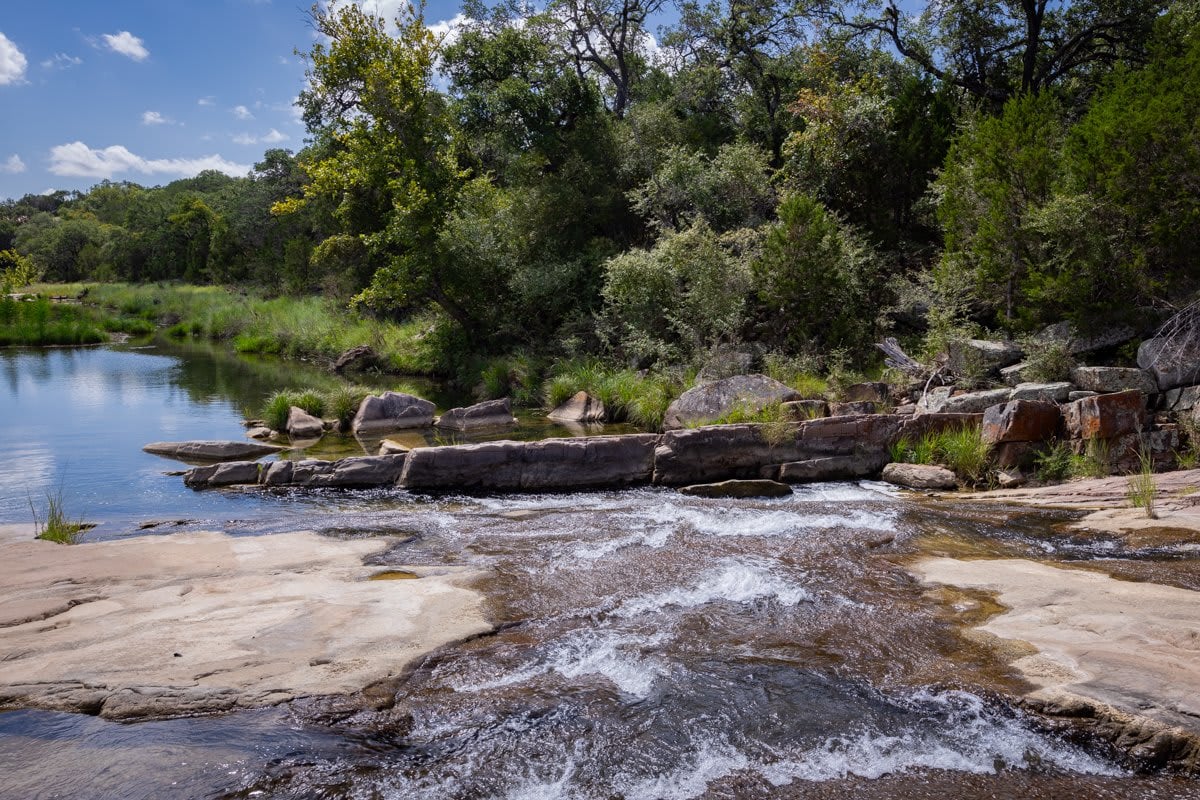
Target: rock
981, 356
829, 468
1051, 392
1079, 395
1078, 344
801, 410
582, 407
1113, 379
940, 400
259, 432
1015, 375
871, 392
1009, 478
490, 414
302, 425
1015, 455
714, 400
1183, 398
1172, 363
849, 409
1021, 421
905, 410
278, 473
739, 488
390, 447
356, 358
392, 411
358, 472
920, 476
230, 473
211, 450
548, 465
1126, 452
1105, 416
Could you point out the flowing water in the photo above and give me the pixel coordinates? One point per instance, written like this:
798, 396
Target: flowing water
647, 645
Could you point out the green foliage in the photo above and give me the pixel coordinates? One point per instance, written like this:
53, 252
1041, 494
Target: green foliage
1055, 463
57, 525
1047, 360
16, 271
1142, 486
641, 399
277, 407
518, 377
962, 450
40, 322
342, 403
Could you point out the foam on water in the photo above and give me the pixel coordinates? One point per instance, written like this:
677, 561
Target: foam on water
649, 536
864, 491
711, 761
743, 521
733, 580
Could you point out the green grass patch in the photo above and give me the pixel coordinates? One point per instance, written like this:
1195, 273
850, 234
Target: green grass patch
628, 396
1142, 486
56, 526
961, 450
39, 322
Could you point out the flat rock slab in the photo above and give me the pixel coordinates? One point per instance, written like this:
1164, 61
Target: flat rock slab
735, 488
1174, 490
1131, 646
919, 476
211, 450
201, 622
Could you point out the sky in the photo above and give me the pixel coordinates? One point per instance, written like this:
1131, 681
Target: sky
151, 91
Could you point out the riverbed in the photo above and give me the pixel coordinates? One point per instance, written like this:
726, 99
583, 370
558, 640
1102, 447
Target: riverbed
643, 645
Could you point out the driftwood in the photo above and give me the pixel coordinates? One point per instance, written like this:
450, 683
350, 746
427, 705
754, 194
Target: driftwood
896, 358
1179, 340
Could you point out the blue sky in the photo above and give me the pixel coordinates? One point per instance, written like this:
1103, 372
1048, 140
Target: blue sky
150, 90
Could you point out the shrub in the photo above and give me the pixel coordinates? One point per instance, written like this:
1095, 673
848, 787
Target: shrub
1055, 462
962, 450
1047, 361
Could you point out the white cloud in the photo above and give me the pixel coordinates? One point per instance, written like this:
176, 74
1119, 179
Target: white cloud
206, 101
154, 118
388, 9
245, 139
126, 44
272, 137
241, 112
12, 62
448, 29
13, 165
77, 160
61, 61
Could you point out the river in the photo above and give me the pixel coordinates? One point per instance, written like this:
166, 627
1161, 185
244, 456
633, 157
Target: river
647, 645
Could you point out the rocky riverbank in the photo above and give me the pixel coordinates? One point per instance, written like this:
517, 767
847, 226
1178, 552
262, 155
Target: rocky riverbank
158, 626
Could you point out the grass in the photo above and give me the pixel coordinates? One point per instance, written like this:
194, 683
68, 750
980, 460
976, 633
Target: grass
1059, 463
962, 450
1142, 486
40, 322
279, 404
627, 395
57, 527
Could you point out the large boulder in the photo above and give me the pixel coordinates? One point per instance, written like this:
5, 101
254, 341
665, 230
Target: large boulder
360, 472
302, 425
548, 465
942, 400
1104, 380
356, 358
738, 489
919, 476
1183, 398
1077, 343
490, 414
714, 400
392, 411
869, 392
1020, 421
211, 450
1057, 392
826, 468
1016, 374
230, 473
981, 356
1172, 362
1105, 416
581, 407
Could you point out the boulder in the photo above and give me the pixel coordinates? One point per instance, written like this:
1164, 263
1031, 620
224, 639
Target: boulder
581, 407
801, 410
919, 476
390, 447
714, 400
1050, 392
358, 472
1015, 455
857, 407
490, 414
829, 468
230, 473
941, 400
211, 450
981, 356
1183, 398
392, 411
259, 432
356, 358
739, 488
1079, 395
1015, 375
1105, 416
1009, 478
1126, 452
1020, 421
870, 392
1113, 379
302, 425
548, 465
1078, 343
277, 473
1173, 363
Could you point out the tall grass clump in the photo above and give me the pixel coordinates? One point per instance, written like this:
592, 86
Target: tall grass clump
1142, 486
57, 526
627, 395
962, 450
40, 322
799, 373
277, 406
517, 376
342, 404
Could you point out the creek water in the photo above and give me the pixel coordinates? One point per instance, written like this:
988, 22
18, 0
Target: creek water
647, 645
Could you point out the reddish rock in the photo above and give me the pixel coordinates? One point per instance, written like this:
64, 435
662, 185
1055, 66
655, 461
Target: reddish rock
1015, 455
1020, 421
1105, 416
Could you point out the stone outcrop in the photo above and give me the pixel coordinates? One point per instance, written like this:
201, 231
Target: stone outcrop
1173, 363
1113, 379
359, 472
356, 358
211, 450
489, 414
1016, 374
229, 473
1077, 343
971, 356
302, 425
392, 411
828, 468
547, 465
852, 408
942, 400
1057, 392
714, 400
1182, 398
1105, 416
919, 476
736, 488
581, 407
1020, 421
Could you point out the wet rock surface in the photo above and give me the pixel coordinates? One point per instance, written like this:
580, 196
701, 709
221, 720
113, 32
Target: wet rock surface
210, 450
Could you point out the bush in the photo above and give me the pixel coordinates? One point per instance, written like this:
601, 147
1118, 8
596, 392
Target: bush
277, 407
1047, 361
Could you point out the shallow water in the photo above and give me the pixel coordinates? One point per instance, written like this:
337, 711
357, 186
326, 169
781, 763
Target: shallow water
647, 645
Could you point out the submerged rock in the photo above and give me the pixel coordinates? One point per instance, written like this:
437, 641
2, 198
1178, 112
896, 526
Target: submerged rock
490, 414
714, 400
211, 450
739, 488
